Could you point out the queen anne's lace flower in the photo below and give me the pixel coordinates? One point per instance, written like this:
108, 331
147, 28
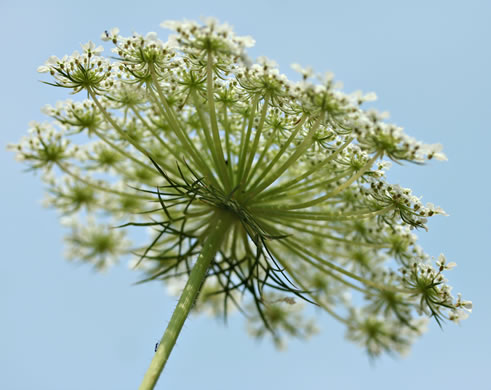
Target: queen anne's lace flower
86, 71
188, 134
93, 243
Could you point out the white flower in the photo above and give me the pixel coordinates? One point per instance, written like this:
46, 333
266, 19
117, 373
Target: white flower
99, 244
370, 97
110, 35
457, 316
151, 36
212, 22
246, 41
358, 97
435, 151
50, 62
327, 77
90, 48
442, 263
305, 72
466, 305
267, 62
432, 209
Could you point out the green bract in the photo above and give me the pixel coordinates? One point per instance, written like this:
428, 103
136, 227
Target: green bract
279, 185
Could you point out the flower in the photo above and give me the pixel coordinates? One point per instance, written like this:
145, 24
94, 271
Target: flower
442, 263
188, 137
378, 335
98, 244
90, 49
111, 35
306, 73
87, 71
284, 316
49, 64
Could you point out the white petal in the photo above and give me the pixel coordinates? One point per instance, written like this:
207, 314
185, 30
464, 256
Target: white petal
151, 36
43, 69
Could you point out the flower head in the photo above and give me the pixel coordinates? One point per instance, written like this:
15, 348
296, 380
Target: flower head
188, 134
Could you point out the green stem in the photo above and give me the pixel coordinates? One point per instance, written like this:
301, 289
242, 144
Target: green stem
100, 187
306, 254
315, 298
207, 134
245, 139
260, 185
169, 114
318, 233
322, 268
122, 151
218, 228
259, 131
301, 188
230, 162
286, 186
161, 141
340, 188
222, 167
114, 124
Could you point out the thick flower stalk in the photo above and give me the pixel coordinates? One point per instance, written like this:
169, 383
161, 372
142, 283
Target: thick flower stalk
259, 192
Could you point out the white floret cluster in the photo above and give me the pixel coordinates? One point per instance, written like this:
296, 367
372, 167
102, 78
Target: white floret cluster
174, 135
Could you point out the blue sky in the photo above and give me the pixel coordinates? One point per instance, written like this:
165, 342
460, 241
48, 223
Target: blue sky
66, 327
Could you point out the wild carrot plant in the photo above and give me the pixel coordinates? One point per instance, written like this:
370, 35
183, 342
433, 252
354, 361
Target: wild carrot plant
259, 193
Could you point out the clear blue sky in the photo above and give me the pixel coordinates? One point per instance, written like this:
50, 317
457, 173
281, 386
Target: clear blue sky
65, 327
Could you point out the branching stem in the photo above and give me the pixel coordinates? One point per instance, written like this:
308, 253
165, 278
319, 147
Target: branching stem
211, 244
